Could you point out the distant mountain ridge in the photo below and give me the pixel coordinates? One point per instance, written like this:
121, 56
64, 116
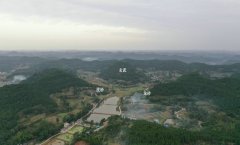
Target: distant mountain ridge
31, 65
166, 65
209, 57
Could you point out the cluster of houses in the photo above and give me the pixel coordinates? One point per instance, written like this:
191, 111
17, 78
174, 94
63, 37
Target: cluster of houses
3, 78
163, 75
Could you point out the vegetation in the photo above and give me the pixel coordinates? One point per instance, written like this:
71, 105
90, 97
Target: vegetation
90, 139
32, 97
222, 127
29, 98
224, 93
115, 125
131, 74
9, 63
147, 133
82, 113
39, 131
36, 64
142, 132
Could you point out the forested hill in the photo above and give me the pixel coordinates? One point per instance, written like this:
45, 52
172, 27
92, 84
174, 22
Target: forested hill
9, 63
101, 66
175, 65
131, 74
53, 80
224, 92
31, 97
223, 124
141, 132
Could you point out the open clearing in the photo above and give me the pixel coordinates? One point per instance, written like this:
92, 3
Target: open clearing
66, 137
55, 142
62, 139
76, 129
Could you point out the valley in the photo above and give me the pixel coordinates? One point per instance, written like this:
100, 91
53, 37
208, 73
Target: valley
62, 107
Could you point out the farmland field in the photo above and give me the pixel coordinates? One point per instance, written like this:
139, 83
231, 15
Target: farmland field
108, 108
55, 142
76, 129
65, 137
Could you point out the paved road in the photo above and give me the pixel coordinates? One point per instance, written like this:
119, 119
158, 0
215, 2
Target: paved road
78, 122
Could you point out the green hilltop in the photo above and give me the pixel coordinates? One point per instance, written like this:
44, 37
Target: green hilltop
131, 75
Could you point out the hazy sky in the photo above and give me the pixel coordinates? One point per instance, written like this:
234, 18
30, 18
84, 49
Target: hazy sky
120, 24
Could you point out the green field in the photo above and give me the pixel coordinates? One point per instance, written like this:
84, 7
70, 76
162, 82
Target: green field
76, 129
65, 137
119, 91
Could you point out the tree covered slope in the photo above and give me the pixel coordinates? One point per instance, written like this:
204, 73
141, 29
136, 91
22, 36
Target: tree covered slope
31, 97
224, 92
131, 74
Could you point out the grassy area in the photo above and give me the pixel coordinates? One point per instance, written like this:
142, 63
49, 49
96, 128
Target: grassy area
127, 91
65, 137
75, 102
93, 78
55, 142
76, 129
32, 119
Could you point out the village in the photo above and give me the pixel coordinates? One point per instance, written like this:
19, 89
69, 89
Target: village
133, 107
128, 102
95, 118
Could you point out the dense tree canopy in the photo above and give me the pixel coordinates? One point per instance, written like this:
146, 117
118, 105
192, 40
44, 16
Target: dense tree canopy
224, 92
131, 74
31, 97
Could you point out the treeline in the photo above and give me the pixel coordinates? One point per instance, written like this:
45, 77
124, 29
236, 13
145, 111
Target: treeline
29, 98
102, 137
142, 132
9, 63
222, 126
38, 64
224, 92
176, 65
131, 75
74, 117
89, 139
147, 133
37, 132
